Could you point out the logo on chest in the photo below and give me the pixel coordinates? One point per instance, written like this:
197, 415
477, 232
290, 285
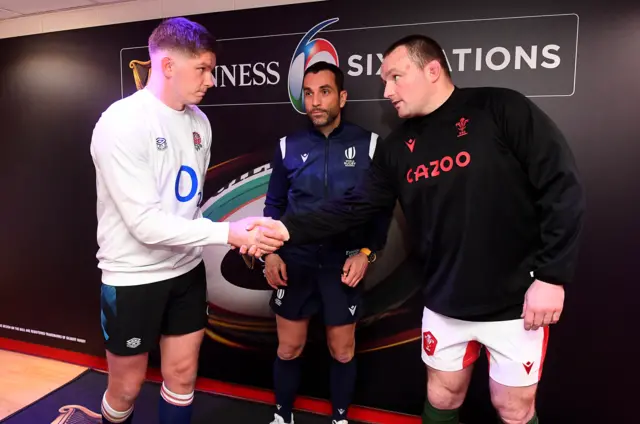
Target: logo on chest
161, 143
437, 167
350, 154
410, 143
461, 125
197, 141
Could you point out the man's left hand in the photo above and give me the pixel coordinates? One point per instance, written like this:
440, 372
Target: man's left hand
354, 269
543, 305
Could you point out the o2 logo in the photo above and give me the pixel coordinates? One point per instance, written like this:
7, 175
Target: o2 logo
189, 171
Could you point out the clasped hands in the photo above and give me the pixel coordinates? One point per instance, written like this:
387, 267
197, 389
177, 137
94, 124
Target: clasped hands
257, 236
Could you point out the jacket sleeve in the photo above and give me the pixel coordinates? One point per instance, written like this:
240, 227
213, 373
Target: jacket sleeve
379, 226
375, 193
123, 165
275, 203
548, 161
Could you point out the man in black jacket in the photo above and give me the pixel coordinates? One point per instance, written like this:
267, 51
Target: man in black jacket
321, 162
495, 205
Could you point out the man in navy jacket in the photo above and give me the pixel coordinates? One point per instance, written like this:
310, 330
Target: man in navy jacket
313, 166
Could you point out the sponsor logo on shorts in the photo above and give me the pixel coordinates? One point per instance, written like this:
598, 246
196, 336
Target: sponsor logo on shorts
279, 296
352, 309
429, 343
527, 366
134, 343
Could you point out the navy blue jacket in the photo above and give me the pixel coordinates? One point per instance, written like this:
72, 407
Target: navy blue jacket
309, 169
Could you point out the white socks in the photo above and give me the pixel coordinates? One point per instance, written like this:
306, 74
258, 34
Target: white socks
111, 414
175, 399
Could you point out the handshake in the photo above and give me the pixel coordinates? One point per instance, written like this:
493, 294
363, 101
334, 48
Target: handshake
257, 236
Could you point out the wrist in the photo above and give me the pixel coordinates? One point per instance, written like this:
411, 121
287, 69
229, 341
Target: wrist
547, 279
268, 255
229, 234
371, 256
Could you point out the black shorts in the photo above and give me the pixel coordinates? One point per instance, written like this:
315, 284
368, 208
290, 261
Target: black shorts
134, 317
310, 290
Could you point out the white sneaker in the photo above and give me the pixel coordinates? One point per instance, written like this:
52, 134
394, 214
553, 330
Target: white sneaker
340, 422
279, 420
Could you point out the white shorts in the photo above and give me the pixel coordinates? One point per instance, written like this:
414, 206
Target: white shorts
515, 354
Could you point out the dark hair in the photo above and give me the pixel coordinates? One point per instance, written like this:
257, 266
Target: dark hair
183, 35
326, 66
422, 50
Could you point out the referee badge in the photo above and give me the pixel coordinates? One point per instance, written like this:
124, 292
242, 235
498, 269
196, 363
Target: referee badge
350, 154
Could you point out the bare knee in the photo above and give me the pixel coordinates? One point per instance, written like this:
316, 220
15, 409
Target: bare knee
445, 397
515, 405
512, 413
447, 390
126, 376
343, 357
122, 393
341, 342
180, 376
342, 352
289, 351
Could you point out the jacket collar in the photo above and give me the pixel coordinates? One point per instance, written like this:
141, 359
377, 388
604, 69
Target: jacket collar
449, 106
335, 133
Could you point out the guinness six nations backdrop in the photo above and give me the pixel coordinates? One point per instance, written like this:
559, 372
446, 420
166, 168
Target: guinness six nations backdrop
572, 59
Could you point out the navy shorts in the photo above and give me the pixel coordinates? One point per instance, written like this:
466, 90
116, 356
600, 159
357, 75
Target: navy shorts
311, 290
135, 317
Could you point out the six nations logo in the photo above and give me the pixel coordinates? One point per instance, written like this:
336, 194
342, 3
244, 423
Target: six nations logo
308, 52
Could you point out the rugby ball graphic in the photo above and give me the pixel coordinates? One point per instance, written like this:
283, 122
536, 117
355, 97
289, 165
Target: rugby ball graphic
238, 297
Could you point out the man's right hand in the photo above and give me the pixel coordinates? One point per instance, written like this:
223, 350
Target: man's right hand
254, 250
275, 271
266, 234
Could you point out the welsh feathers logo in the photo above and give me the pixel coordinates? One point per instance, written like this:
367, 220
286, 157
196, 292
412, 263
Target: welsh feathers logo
308, 52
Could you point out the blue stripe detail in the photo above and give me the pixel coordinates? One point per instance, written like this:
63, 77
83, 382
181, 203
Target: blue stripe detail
107, 300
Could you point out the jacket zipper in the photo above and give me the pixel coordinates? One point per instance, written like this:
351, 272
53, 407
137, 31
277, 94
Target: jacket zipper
326, 168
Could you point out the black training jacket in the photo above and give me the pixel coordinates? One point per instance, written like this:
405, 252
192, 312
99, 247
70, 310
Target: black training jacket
492, 198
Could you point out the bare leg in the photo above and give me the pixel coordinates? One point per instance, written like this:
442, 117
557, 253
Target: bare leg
179, 356
126, 376
180, 361
446, 391
515, 405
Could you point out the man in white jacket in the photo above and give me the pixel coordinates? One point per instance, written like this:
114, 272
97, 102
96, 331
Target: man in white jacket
151, 151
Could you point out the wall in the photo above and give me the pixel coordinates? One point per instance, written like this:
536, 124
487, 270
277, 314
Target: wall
139, 10
54, 87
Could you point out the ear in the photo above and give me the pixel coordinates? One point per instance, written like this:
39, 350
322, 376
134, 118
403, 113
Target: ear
343, 98
167, 66
433, 70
